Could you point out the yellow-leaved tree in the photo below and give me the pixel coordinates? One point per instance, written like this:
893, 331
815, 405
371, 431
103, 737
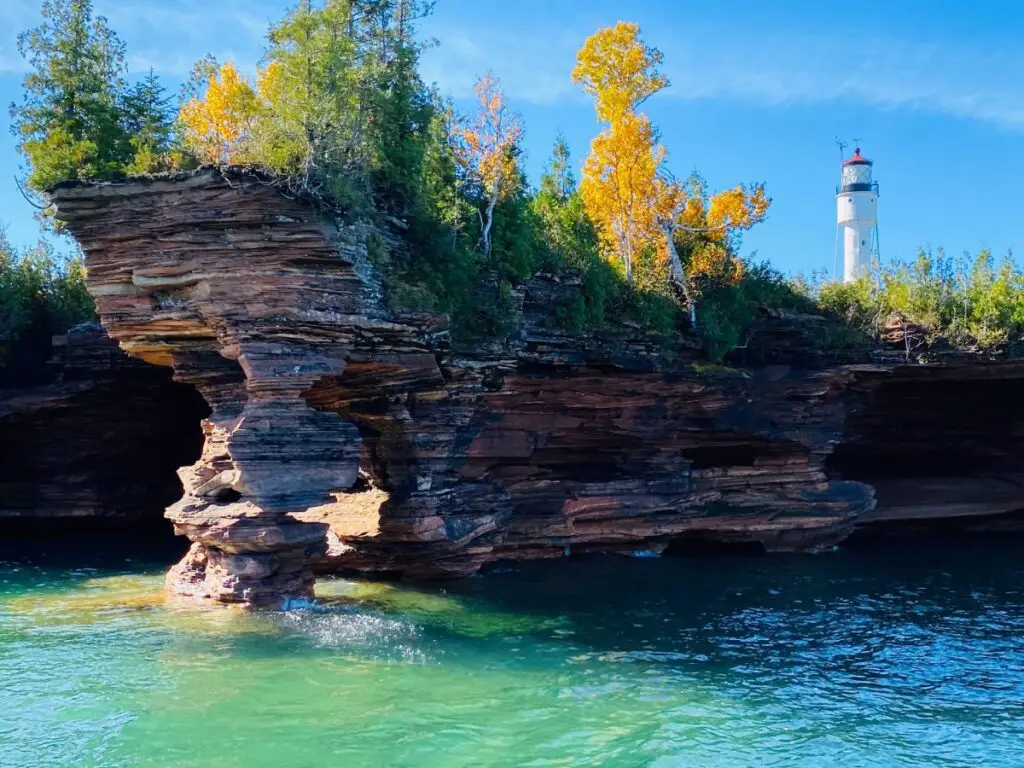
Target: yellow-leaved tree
618, 70
636, 205
706, 228
620, 187
216, 123
487, 150
620, 177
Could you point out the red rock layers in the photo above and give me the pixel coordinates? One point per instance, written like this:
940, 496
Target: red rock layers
325, 405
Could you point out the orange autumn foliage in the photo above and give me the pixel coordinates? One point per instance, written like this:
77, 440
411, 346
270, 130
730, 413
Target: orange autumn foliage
489, 143
487, 150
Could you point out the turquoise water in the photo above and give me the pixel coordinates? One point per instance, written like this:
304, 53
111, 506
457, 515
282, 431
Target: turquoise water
872, 658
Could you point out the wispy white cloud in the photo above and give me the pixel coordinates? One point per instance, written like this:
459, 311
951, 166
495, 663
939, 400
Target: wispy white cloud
958, 79
168, 36
774, 67
533, 68
955, 78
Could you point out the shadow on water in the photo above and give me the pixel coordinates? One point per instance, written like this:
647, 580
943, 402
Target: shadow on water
106, 544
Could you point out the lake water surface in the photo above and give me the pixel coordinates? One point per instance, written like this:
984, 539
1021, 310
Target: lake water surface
910, 655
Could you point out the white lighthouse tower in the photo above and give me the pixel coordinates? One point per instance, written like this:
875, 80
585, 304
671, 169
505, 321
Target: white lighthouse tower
857, 215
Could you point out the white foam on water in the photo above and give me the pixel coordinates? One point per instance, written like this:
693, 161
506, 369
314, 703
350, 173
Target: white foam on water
358, 631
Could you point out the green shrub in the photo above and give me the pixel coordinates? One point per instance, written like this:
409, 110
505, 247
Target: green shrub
42, 293
729, 312
970, 302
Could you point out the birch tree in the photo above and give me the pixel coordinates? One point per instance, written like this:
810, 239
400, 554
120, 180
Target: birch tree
712, 225
619, 186
488, 150
620, 177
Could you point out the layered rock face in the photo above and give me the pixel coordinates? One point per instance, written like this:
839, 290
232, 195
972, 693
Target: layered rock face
100, 441
559, 453
343, 428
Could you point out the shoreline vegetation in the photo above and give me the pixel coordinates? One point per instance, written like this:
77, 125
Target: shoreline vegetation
338, 112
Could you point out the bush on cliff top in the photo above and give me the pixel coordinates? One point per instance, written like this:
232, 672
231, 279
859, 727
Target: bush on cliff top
970, 303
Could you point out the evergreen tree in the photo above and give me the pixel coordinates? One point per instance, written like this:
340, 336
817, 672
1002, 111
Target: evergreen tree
147, 118
346, 112
399, 106
308, 86
68, 125
568, 229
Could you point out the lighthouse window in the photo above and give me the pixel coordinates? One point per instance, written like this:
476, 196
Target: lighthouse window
862, 242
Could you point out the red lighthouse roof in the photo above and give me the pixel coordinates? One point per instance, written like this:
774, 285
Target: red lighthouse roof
857, 159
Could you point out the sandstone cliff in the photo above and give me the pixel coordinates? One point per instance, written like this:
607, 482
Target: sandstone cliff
344, 435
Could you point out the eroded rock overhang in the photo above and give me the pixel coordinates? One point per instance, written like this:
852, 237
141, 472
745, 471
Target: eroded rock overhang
252, 298
942, 444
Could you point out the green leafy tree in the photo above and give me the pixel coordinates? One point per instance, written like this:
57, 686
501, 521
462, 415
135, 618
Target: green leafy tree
346, 115
310, 131
42, 293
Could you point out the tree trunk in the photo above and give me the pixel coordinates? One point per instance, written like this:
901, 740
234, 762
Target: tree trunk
492, 202
627, 253
677, 274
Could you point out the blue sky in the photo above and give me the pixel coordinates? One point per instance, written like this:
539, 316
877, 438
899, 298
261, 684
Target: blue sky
932, 88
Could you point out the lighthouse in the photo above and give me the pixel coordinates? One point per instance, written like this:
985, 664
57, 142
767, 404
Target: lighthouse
857, 215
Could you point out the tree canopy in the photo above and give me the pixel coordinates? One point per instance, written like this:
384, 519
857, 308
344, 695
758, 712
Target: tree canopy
337, 111
78, 117
42, 293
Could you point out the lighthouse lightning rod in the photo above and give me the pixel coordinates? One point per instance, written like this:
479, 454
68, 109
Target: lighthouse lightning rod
842, 148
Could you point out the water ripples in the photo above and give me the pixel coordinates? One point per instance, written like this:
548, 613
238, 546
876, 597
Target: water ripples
831, 661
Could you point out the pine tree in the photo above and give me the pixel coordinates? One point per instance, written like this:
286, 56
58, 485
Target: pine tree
568, 230
148, 118
68, 124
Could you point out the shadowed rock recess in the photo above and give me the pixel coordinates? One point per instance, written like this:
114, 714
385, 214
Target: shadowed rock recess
94, 445
346, 436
